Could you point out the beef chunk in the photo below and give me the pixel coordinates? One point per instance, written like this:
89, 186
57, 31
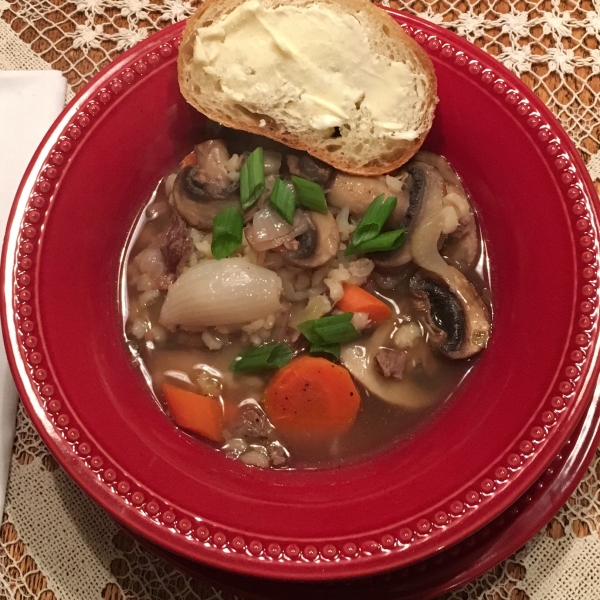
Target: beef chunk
391, 363
252, 424
176, 246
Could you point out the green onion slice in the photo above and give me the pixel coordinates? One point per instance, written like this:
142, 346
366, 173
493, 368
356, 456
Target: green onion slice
384, 242
252, 179
310, 194
334, 329
269, 356
374, 219
284, 200
228, 227
326, 350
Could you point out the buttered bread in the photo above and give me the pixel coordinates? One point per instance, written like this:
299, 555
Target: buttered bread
336, 78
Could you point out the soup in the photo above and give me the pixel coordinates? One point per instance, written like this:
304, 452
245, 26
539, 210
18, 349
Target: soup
297, 317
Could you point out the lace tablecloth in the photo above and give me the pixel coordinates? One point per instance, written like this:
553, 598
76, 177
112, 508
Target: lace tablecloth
55, 543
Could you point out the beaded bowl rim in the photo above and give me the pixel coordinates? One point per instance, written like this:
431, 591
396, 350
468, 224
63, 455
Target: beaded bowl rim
530, 513
188, 534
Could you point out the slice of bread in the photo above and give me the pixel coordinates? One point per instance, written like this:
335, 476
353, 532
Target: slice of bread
352, 140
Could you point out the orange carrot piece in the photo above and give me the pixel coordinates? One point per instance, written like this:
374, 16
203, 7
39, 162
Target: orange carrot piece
194, 412
188, 159
355, 299
312, 395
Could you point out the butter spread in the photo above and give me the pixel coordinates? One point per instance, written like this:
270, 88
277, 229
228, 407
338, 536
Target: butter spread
310, 64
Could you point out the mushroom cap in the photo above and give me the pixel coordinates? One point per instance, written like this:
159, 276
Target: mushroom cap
456, 318
418, 184
417, 190
317, 245
309, 168
194, 204
444, 311
463, 249
357, 193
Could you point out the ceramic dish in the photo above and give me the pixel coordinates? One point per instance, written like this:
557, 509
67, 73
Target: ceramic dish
449, 568
502, 427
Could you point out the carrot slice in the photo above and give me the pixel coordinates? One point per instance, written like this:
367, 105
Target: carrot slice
188, 159
194, 412
355, 299
312, 395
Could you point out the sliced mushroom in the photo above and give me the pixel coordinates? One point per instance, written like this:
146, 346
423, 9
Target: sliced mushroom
462, 247
425, 235
309, 168
316, 245
418, 184
455, 317
416, 191
359, 359
195, 204
357, 193
442, 165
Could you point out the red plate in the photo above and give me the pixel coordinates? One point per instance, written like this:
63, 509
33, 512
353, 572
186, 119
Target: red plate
446, 570
63, 330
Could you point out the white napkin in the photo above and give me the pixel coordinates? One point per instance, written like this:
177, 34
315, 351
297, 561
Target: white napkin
29, 103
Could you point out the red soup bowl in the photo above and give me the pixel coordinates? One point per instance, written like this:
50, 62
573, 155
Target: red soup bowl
63, 330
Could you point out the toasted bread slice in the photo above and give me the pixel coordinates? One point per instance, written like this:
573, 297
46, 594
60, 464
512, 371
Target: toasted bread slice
252, 65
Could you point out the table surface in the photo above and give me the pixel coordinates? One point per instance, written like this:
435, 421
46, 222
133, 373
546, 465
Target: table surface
55, 543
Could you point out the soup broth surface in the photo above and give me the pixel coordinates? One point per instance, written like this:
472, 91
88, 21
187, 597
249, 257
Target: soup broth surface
198, 358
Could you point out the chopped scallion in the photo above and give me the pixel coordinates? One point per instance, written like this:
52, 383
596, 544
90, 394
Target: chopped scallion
326, 351
284, 200
336, 332
310, 194
374, 219
384, 242
228, 227
269, 356
252, 178
334, 329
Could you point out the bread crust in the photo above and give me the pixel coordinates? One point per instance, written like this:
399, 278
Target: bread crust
213, 10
